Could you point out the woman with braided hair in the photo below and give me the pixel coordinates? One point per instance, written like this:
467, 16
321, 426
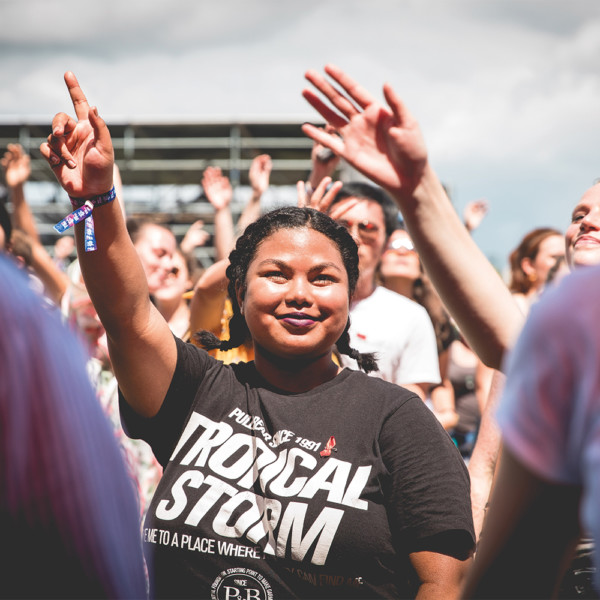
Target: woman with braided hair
239, 259
287, 476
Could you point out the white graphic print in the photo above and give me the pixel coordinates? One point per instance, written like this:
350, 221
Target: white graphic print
232, 463
240, 584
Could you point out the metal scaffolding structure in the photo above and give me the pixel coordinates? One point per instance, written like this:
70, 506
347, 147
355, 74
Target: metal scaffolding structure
161, 166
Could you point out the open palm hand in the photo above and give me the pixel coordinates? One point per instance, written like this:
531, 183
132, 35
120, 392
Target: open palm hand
383, 143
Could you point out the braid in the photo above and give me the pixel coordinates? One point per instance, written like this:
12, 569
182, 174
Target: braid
366, 361
207, 340
238, 332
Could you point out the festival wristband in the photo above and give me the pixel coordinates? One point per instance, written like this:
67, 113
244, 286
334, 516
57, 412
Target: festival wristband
83, 212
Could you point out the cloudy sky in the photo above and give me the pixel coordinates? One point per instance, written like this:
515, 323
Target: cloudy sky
507, 91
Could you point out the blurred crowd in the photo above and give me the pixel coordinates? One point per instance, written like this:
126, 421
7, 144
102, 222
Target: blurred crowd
495, 360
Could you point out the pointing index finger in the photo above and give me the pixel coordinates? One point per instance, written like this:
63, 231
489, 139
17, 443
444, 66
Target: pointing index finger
78, 98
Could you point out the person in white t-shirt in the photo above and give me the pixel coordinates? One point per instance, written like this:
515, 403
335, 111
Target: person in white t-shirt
549, 476
383, 142
396, 328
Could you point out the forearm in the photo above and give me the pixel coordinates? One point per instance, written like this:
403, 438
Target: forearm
468, 284
250, 213
113, 273
482, 477
442, 400
224, 233
482, 465
210, 293
483, 383
54, 280
22, 217
531, 528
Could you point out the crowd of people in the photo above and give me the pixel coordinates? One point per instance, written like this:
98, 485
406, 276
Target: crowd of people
351, 402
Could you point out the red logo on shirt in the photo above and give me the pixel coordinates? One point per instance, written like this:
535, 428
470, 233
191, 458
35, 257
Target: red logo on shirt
328, 448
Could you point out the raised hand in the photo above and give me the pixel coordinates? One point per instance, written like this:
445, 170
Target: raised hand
195, 236
16, 165
217, 188
324, 161
382, 142
474, 214
80, 152
322, 197
260, 173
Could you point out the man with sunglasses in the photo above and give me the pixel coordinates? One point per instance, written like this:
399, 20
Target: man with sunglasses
397, 329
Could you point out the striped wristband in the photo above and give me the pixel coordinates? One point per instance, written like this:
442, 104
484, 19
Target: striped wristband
83, 212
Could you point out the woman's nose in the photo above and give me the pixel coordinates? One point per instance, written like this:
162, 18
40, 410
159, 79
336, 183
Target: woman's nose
167, 263
592, 219
299, 291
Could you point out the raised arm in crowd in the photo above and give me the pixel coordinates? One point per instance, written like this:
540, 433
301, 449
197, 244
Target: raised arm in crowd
384, 142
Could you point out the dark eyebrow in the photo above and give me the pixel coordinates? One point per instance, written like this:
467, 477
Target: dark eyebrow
325, 265
272, 261
283, 265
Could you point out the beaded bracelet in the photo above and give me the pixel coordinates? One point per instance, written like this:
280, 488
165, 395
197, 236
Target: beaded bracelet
83, 211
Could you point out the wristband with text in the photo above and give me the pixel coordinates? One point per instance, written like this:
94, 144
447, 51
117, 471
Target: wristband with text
83, 211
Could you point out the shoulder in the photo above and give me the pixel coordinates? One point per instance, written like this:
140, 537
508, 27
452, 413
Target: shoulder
577, 294
564, 313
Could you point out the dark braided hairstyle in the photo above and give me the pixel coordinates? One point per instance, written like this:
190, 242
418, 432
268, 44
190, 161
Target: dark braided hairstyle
290, 217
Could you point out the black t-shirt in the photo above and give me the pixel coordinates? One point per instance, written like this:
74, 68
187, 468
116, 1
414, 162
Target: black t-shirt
321, 494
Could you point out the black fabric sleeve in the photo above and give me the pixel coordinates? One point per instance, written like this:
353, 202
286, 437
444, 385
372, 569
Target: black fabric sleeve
164, 429
428, 488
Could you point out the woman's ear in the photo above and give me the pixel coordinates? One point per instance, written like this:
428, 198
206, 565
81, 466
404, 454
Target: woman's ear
528, 269
240, 292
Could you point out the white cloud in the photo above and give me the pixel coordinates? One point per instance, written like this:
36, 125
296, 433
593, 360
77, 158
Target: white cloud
506, 90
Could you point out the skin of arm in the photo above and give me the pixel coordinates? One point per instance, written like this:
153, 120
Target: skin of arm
474, 214
217, 189
118, 183
442, 400
37, 259
484, 458
210, 293
142, 348
195, 236
483, 383
385, 144
420, 389
441, 576
259, 176
55, 281
17, 170
530, 532
442, 396
321, 169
